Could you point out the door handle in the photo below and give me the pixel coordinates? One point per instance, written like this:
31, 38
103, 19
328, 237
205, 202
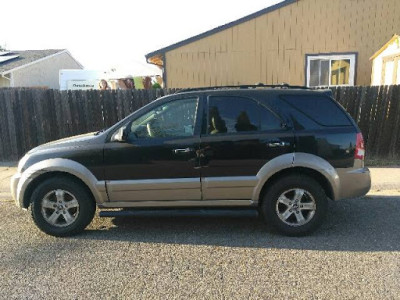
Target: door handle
276, 144
182, 151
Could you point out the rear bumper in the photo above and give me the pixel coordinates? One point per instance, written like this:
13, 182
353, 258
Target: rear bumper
354, 183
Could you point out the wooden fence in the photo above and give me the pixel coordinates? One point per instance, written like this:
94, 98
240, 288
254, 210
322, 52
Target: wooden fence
376, 109
30, 117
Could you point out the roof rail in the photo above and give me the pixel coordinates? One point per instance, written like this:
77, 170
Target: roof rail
253, 86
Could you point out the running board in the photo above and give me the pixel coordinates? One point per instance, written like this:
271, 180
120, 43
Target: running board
231, 213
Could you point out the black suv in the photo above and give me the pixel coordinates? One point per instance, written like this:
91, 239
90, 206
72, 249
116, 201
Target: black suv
282, 150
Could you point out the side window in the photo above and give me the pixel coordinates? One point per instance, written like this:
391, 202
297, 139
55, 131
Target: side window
269, 121
320, 109
238, 114
173, 119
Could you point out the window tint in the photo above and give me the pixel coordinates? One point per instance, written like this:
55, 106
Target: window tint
173, 119
237, 114
322, 110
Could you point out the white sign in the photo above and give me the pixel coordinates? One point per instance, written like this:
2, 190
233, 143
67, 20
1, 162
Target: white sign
83, 84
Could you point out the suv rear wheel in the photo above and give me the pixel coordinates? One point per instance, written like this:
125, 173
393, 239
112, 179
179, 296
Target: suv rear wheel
61, 206
295, 205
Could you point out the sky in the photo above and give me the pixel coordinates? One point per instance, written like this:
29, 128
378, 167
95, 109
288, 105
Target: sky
103, 35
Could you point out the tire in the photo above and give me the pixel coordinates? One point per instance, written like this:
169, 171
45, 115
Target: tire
62, 206
294, 205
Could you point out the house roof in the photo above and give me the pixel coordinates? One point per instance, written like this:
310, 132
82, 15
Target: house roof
394, 38
156, 54
25, 57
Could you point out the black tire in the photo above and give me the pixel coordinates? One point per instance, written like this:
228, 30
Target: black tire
270, 209
83, 214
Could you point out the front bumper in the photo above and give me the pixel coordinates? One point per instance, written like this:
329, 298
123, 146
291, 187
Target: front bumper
354, 183
14, 188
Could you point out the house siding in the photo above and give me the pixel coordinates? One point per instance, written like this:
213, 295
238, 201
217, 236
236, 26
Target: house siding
271, 48
4, 82
44, 73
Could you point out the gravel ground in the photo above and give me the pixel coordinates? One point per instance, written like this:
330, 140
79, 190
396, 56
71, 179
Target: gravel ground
356, 254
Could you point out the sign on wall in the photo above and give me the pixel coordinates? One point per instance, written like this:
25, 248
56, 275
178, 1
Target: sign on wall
83, 84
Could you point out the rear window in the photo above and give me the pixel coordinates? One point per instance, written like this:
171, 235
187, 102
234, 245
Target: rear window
322, 110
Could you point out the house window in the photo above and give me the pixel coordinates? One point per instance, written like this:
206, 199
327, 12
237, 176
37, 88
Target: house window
330, 70
391, 70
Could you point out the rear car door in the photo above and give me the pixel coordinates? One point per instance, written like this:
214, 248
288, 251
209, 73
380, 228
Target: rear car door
239, 137
158, 160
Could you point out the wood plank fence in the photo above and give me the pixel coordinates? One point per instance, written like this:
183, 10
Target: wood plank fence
30, 117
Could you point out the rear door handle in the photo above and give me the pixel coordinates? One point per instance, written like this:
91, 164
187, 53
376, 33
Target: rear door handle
277, 144
182, 151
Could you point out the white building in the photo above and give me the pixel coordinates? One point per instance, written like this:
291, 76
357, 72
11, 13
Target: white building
35, 68
386, 63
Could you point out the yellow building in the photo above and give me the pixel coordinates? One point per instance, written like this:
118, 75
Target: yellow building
300, 42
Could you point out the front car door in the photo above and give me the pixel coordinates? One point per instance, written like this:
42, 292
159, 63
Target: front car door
157, 160
241, 136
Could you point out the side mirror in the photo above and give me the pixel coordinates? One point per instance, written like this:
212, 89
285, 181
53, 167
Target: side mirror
120, 135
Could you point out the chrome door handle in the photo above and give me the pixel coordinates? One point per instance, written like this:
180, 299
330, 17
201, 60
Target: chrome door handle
184, 150
277, 144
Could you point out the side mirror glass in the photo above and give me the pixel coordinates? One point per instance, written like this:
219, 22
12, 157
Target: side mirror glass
120, 135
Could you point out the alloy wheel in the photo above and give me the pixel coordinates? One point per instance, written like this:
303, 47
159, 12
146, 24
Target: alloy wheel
296, 207
60, 208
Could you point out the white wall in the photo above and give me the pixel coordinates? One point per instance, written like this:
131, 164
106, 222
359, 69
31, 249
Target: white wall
4, 82
377, 63
44, 73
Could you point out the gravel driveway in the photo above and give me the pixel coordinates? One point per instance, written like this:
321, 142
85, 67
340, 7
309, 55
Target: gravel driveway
356, 254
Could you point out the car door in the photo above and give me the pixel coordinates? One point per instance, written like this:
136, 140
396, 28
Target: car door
157, 160
240, 137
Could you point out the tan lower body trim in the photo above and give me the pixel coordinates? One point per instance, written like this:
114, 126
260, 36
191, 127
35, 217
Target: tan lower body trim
204, 203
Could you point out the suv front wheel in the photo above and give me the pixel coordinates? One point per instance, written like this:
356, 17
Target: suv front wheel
61, 206
295, 205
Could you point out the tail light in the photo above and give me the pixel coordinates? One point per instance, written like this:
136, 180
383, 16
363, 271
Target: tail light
360, 150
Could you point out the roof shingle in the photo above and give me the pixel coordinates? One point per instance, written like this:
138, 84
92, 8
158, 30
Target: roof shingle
25, 57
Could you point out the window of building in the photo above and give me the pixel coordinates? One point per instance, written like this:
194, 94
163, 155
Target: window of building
391, 70
238, 114
330, 70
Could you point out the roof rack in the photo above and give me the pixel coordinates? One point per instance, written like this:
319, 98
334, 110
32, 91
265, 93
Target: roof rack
254, 86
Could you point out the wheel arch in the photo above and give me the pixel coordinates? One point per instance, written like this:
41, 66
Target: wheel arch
317, 176
65, 167
42, 177
298, 163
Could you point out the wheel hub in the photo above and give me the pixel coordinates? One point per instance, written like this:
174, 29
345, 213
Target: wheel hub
296, 207
60, 208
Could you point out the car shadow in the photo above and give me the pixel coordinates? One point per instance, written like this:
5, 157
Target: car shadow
367, 224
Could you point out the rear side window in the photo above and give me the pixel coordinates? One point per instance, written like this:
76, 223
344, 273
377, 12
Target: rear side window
228, 114
322, 110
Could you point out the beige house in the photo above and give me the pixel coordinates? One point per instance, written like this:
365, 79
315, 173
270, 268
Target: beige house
300, 42
34, 68
386, 63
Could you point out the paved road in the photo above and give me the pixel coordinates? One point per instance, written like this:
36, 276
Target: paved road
356, 254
